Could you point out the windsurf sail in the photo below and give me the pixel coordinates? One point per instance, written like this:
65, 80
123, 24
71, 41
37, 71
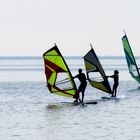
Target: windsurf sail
95, 73
132, 66
58, 76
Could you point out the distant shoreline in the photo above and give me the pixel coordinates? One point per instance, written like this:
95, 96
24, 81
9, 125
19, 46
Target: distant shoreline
66, 57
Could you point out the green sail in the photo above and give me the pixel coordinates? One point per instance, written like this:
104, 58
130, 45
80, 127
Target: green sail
132, 66
58, 76
95, 73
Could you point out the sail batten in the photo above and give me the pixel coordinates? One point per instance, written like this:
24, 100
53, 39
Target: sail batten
58, 75
95, 73
130, 59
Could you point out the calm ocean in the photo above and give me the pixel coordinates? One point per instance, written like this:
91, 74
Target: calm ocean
29, 112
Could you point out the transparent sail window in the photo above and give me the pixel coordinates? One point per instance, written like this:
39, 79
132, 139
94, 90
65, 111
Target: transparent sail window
95, 77
134, 70
63, 82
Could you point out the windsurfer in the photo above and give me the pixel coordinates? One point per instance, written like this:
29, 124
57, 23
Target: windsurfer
116, 82
82, 78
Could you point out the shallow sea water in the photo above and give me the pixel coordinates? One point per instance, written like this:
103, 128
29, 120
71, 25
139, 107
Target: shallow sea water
29, 112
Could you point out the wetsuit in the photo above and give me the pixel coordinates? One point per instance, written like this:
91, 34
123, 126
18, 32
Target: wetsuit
116, 83
82, 86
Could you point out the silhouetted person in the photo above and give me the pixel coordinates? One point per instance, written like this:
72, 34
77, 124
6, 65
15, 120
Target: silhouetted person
82, 78
116, 82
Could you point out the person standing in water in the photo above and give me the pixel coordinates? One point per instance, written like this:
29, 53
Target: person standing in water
116, 82
83, 83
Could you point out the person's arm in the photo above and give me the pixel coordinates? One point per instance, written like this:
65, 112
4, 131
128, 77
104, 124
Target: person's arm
74, 77
112, 76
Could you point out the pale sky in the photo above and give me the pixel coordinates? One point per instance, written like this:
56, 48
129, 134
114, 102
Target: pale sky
30, 27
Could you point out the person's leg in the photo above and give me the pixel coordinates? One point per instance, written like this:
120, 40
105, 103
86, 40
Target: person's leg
113, 92
116, 91
83, 96
83, 91
79, 90
76, 96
